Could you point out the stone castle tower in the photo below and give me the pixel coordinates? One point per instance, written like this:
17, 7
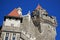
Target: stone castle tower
38, 26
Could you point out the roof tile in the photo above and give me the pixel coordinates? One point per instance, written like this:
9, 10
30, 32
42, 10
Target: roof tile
14, 13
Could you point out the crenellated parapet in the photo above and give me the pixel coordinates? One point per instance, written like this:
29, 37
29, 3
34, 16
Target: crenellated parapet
49, 19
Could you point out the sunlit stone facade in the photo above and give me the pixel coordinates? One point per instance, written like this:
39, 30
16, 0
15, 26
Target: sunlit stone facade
38, 26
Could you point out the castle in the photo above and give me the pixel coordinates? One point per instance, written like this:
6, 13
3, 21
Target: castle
38, 26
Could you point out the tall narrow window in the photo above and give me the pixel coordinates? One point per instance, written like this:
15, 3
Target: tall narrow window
7, 35
14, 35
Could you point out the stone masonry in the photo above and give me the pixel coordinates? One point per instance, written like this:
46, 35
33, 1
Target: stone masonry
38, 26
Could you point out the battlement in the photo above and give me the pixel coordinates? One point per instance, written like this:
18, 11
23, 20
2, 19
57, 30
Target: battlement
12, 21
49, 18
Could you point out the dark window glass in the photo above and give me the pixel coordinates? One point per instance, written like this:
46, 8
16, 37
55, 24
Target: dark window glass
14, 36
6, 38
7, 35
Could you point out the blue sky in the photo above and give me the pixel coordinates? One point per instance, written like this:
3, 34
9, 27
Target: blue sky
51, 6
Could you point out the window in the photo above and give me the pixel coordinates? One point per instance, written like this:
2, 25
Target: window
14, 36
7, 35
6, 38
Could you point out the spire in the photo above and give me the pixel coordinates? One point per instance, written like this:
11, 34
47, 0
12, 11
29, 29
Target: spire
14, 13
38, 7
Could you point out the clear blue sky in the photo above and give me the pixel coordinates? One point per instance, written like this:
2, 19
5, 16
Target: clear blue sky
52, 7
